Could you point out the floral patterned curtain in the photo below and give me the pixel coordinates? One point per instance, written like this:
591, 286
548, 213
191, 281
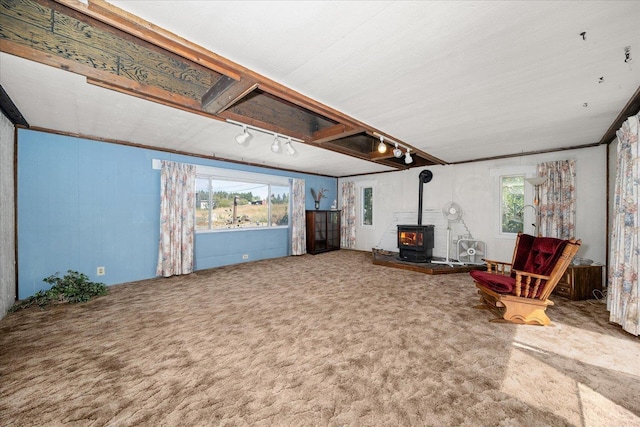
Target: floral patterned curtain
177, 219
623, 296
348, 216
298, 224
558, 200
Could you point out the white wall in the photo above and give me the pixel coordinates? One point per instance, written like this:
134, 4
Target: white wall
472, 186
7, 220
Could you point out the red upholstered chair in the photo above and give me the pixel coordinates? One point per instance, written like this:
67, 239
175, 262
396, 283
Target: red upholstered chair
519, 291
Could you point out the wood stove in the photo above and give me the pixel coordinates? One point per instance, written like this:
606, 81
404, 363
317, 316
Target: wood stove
415, 242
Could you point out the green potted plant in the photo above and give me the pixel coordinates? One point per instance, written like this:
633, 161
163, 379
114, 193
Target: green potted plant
74, 287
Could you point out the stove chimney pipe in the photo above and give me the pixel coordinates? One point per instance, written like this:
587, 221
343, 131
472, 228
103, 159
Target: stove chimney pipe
425, 176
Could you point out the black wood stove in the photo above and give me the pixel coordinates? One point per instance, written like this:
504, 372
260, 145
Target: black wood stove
415, 242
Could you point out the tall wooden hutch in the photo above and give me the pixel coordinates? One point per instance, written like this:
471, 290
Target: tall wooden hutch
323, 231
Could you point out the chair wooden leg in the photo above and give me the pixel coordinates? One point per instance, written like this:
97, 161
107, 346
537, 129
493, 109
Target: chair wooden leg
525, 313
487, 302
484, 304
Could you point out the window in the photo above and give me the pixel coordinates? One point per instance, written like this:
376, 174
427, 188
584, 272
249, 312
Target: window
367, 206
229, 203
511, 204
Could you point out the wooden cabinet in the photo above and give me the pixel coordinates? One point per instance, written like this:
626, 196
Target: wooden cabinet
323, 231
579, 282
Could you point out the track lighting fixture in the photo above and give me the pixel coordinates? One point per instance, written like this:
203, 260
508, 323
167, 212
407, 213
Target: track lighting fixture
397, 153
244, 136
290, 148
407, 157
275, 147
382, 147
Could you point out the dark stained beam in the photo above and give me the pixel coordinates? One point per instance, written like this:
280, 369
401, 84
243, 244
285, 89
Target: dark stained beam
138, 27
226, 92
120, 51
428, 157
153, 94
267, 108
144, 30
632, 107
376, 155
105, 79
361, 143
335, 132
10, 110
526, 153
47, 35
280, 130
342, 149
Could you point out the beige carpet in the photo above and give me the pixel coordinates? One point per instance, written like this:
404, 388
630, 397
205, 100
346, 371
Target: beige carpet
325, 340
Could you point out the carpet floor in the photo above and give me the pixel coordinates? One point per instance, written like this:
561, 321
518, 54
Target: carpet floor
325, 340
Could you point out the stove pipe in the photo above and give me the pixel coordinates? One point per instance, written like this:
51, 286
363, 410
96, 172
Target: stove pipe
425, 176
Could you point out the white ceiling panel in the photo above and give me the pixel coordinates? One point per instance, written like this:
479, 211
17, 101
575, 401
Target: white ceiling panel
458, 80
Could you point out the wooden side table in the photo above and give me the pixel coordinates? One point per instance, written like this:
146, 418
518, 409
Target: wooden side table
579, 282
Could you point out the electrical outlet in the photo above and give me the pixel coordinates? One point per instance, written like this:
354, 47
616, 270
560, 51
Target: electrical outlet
245, 256
100, 271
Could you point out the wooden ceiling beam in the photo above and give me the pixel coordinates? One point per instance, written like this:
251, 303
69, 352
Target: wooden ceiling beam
434, 160
402, 166
10, 110
267, 108
297, 98
94, 76
364, 156
107, 80
334, 132
632, 107
225, 93
144, 30
282, 131
129, 87
138, 27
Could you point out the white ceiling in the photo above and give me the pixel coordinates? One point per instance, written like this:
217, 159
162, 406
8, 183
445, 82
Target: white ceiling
458, 80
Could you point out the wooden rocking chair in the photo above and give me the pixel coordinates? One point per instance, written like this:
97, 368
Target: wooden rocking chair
520, 294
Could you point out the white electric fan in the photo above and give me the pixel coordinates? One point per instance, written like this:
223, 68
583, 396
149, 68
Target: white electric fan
471, 251
452, 212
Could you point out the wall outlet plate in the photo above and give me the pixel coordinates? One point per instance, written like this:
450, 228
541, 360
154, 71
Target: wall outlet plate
100, 271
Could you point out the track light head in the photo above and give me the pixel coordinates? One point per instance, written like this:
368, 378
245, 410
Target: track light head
397, 153
244, 136
290, 149
407, 157
382, 147
275, 147
277, 143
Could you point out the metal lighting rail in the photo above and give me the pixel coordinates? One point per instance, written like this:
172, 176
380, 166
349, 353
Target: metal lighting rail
264, 130
391, 141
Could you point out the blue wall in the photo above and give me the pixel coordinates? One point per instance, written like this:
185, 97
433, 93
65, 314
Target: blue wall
84, 204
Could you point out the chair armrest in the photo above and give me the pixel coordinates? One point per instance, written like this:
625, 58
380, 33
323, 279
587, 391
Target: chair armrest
532, 275
497, 267
530, 286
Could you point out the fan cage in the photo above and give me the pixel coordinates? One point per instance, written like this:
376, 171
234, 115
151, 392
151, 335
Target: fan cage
471, 251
